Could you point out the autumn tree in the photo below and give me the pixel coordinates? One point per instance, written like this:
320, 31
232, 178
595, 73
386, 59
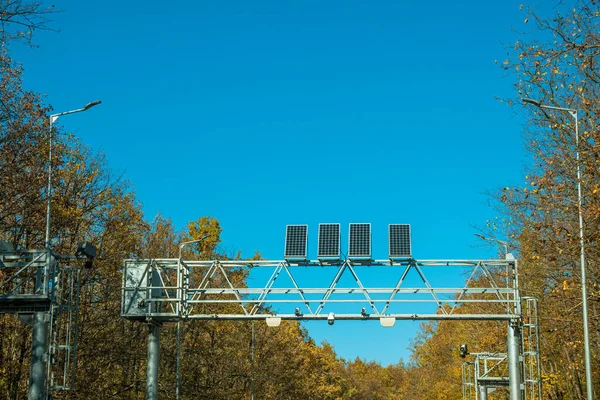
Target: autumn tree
556, 62
20, 19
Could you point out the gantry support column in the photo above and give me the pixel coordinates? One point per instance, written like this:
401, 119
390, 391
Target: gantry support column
39, 346
483, 392
39, 334
153, 361
514, 364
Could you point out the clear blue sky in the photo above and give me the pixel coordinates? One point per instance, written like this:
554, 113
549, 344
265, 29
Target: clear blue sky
267, 113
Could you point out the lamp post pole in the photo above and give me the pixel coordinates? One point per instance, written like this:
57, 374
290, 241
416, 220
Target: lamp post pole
506, 253
586, 331
501, 242
178, 357
252, 361
39, 348
53, 119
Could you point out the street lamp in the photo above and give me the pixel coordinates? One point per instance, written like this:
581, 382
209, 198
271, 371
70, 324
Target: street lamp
507, 255
586, 335
501, 242
178, 377
52, 120
39, 333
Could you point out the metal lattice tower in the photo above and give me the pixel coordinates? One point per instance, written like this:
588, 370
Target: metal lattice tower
32, 286
489, 370
469, 387
532, 366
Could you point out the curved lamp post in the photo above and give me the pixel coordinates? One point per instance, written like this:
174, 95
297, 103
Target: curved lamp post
39, 334
586, 331
53, 119
498, 241
178, 366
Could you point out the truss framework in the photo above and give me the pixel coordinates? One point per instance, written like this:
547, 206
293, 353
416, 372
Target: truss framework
490, 370
167, 290
25, 281
29, 284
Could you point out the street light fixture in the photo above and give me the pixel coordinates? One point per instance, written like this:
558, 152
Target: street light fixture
501, 242
586, 335
507, 255
40, 342
273, 322
52, 120
178, 366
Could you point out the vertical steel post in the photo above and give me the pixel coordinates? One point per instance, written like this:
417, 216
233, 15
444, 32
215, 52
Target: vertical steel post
586, 329
514, 364
153, 361
483, 392
252, 377
178, 377
584, 300
37, 373
39, 346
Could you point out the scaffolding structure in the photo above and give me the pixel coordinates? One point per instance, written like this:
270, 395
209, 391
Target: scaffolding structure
37, 287
489, 371
169, 290
157, 291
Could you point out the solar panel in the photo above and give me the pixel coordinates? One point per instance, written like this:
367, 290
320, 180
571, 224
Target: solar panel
296, 239
329, 241
359, 241
399, 241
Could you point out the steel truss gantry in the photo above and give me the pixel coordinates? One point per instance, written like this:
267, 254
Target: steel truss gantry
489, 370
168, 290
34, 287
173, 290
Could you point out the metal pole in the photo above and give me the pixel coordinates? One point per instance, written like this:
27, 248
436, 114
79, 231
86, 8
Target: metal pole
39, 350
514, 364
586, 328
252, 376
178, 385
586, 331
39, 347
180, 279
49, 190
37, 373
483, 392
153, 361
53, 118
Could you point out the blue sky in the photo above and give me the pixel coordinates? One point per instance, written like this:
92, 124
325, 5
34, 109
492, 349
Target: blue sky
268, 113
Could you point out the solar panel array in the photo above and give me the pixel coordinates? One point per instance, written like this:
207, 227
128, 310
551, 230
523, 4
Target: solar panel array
359, 241
329, 241
296, 240
399, 241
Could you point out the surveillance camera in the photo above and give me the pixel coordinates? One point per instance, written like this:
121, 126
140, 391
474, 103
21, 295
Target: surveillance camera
86, 249
464, 350
331, 318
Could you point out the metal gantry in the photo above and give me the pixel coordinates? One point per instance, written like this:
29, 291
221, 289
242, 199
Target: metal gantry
168, 290
489, 371
532, 365
156, 291
42, 291
469, 385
